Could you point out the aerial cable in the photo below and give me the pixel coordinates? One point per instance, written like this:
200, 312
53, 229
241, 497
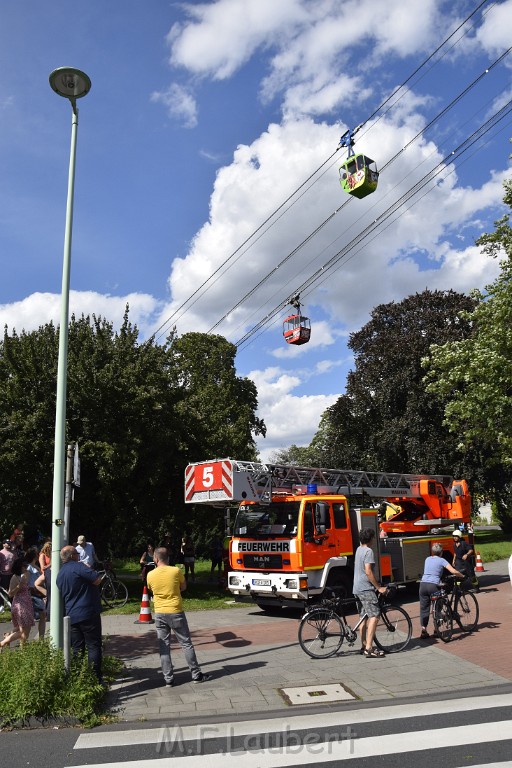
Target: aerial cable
273, 317
462, 148
349, 200
195, 295
326, 247
250, 237
418, 198
217, 272
420, 67
322, 272
441, 166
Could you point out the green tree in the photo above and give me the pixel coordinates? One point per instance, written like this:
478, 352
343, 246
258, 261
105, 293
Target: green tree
120, 409
295, 454
474, 375
219, 406
219, 411
27, 425
385, 420
139, 412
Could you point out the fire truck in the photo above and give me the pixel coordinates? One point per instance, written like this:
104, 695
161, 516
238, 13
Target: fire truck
297, 528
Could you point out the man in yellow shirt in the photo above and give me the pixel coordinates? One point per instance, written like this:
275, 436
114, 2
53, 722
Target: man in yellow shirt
167, 583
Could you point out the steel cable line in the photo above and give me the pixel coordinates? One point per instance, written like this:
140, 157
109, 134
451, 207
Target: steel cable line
307, 239
507, 109
226, 261
315, 279
275, 317
195, 295
387, 194
397, 90
376, 224
253, 240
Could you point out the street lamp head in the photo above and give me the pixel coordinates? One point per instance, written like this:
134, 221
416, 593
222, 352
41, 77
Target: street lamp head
70, 82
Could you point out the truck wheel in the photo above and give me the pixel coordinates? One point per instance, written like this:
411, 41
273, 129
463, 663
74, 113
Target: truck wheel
341, 583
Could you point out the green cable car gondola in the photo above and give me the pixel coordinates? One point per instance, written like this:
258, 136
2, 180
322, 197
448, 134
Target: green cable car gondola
358, 174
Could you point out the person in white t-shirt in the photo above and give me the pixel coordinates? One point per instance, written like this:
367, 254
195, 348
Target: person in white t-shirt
86, 552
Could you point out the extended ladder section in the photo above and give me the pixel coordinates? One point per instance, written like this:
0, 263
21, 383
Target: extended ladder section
226, 481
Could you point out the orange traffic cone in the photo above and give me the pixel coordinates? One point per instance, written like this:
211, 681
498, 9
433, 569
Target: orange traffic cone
145, 610
479, 567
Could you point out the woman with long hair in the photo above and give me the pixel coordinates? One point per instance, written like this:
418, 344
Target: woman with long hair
45, 556
22, 611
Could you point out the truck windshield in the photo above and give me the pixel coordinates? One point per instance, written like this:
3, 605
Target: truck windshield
266, 521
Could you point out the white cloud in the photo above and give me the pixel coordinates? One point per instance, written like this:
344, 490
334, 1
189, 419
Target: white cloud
315, 46
41, 308
325, 366
494, 33
289, 418
323, 334
225, 34
408, 253
180, 104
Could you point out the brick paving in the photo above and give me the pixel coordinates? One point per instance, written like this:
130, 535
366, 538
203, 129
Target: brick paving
253, 656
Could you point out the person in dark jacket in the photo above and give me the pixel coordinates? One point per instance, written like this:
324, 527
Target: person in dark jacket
78, 585
463, 557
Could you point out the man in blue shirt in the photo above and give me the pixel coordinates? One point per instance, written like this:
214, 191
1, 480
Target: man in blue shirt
78, 585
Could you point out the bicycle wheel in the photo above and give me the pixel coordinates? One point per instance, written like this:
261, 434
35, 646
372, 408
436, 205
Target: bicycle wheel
5, 603
394, 629
443, 619
466, 611
114, 593
320, 633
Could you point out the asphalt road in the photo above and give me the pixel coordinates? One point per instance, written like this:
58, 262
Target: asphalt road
449, 732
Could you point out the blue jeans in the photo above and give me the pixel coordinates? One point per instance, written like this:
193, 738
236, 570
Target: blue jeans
87, 634
177, 622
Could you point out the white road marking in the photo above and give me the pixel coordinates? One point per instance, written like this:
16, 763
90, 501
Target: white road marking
294, 723
310, 753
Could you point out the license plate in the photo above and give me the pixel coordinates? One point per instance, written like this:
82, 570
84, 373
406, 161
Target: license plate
261, 582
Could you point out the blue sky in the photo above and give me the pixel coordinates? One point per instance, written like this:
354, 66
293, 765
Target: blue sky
202, 119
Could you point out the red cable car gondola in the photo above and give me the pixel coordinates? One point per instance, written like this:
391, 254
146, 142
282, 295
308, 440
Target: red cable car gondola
296, 327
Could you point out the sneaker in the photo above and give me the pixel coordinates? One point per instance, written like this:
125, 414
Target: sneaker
169, 683
203, 678
424, 634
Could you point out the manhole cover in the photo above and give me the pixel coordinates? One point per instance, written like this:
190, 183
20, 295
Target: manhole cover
319, 694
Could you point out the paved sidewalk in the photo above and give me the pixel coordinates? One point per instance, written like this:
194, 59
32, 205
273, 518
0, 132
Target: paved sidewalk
252, 657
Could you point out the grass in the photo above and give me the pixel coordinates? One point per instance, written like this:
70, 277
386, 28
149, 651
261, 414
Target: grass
203, 595
200, 595
493, 545
35, 684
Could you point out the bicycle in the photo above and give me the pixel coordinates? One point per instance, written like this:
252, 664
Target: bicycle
113, 592
324, 627
5, 602
453, 602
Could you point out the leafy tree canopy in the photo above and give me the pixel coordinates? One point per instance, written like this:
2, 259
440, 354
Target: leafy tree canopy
139, 412
474, 375
385, 420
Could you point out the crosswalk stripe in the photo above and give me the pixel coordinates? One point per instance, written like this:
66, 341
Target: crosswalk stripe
505, 764
330, 719
309, 753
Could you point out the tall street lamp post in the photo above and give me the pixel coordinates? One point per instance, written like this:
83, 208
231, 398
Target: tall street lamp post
72, 84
